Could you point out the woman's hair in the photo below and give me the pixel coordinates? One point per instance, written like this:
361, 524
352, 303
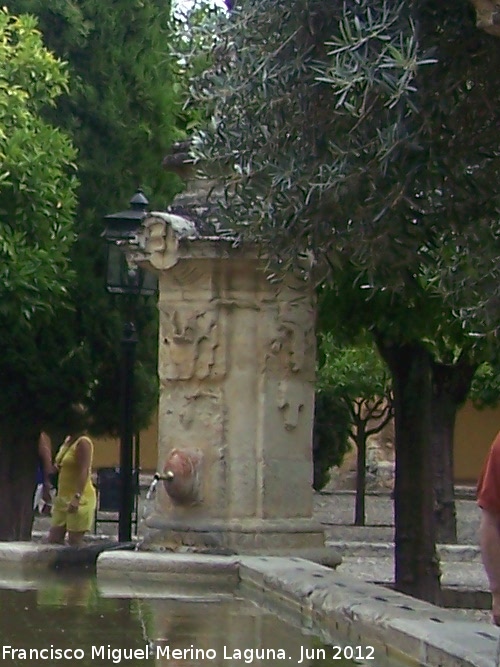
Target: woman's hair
79, 419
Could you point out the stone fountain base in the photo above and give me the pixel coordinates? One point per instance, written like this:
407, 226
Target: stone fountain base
301, 538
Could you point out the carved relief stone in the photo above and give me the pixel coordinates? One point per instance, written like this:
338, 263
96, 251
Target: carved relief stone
159, 238
295, 326
200, 409
190, 338
291, 354
291, 402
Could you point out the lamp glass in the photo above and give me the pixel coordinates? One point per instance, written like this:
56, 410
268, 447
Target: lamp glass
125, 277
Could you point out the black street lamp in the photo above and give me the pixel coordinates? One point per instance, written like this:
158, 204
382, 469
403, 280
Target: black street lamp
124, 277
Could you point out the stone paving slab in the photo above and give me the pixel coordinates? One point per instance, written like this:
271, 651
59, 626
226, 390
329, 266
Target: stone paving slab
336, 512
28, 554
168, 567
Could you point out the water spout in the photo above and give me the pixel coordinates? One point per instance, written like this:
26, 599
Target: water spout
151, 492
163, 476
181, 476
152, 488
150, 496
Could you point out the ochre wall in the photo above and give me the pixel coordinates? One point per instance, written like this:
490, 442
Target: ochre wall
474, 433
107, 450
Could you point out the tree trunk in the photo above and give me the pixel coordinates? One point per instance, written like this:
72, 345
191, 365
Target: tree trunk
18, 464
416, 563
451, 384
359, 508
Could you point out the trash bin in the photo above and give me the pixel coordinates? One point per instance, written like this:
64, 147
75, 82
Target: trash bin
108, 487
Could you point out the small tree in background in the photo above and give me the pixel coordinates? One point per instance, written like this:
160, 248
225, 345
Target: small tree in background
357, 379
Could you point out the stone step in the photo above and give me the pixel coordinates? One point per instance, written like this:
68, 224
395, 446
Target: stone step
446, 552
456, 575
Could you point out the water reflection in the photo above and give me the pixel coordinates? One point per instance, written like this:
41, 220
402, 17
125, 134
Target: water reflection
64, 621
63, 617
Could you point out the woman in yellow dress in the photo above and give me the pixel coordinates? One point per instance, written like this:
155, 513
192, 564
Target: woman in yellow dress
74, 505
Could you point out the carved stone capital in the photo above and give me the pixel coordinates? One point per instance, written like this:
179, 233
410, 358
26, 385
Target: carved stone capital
157, 242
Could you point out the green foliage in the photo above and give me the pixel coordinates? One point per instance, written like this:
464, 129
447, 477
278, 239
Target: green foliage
351, 380
360, 129
37, 204
352, 372
121, 110
194, 33
485, 390
352, 308
304, 166
37, 186
330, 435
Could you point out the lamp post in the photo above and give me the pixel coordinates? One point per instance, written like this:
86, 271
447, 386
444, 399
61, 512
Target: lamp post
124, 277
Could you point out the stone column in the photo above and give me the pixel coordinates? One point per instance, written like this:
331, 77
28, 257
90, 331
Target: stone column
236, 369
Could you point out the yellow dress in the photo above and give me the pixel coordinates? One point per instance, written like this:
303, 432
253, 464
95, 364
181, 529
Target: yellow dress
81, 520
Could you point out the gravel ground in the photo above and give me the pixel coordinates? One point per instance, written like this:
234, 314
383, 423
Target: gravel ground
336, 513
335, 510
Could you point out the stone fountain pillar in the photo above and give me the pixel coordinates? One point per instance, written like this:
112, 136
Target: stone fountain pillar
236, 369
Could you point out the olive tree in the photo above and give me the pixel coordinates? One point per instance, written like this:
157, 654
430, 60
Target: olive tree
365, 132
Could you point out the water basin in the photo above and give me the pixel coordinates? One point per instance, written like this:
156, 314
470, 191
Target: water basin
70, 618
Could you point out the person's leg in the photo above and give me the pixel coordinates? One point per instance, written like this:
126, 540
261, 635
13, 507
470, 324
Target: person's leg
56, 534
58, 528
78, 523
75, 538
